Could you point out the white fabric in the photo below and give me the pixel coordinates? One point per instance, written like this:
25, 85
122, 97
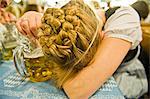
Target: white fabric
2, 31
124, 24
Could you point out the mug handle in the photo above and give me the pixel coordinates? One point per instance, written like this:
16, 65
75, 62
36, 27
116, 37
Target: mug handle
20, 68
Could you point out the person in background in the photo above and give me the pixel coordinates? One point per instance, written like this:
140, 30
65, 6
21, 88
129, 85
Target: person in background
4, 15
4, 3
18, 9
122, 33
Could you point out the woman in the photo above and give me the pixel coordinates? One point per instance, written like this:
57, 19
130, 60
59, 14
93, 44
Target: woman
130, 75
111, 52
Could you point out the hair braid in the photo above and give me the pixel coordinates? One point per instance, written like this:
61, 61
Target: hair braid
69, 38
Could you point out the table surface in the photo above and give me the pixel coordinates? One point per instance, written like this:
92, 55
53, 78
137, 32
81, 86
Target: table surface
12, 86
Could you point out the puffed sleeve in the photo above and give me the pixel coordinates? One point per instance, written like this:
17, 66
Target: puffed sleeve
124, 24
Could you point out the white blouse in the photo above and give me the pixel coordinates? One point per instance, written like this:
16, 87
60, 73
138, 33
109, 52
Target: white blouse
124, 24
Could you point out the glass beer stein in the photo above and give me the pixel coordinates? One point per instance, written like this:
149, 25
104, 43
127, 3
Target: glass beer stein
31, 63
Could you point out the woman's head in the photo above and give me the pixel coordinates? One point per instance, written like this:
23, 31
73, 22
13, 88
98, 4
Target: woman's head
69, 38
142, 9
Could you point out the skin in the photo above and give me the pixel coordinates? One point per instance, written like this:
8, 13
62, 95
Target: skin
27, 25
6, 16
93, 76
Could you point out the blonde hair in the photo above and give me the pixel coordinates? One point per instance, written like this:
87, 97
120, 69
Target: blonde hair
69, 37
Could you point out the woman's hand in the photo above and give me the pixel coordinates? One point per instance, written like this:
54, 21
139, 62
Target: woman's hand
6, 17
29, 23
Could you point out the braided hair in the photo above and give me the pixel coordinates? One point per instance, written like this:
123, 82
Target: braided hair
69, 38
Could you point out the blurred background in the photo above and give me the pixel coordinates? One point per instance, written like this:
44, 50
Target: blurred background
18, 7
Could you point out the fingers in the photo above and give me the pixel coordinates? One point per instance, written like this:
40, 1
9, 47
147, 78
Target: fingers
33, 26
18, 25
12, 17
25, 27
6, 16
38, 24
38, 20
28, 24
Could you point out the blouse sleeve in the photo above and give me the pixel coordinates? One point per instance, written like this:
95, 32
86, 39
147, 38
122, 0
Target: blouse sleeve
124, 24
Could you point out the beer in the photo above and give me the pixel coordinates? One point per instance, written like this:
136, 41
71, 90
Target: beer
32, 64
38, 69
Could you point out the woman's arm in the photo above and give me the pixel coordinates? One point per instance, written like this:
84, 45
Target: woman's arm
109, 56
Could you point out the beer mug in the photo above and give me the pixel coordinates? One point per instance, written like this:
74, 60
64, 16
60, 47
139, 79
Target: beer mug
31, 63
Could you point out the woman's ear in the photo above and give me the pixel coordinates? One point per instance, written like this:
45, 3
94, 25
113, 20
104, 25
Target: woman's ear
101, 34
101, 14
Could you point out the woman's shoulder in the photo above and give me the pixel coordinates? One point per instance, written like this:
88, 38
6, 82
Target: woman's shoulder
124, 24
127, 10
123, 17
